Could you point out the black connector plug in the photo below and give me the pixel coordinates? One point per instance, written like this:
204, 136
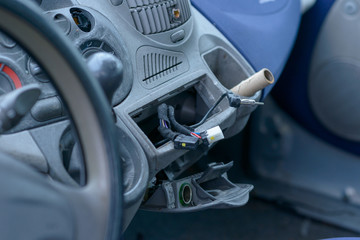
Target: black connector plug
186, 142
234, 100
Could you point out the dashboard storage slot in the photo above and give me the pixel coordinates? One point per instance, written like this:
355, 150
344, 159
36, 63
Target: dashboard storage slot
231, 70
225, 67
189, 109
208, 189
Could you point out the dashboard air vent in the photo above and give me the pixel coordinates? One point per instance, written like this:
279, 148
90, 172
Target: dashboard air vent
157, 66
155, 16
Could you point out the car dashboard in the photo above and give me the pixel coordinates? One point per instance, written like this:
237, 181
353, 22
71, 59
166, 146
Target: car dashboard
172, 54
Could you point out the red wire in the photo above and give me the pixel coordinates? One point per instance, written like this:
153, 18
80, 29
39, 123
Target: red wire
194, 134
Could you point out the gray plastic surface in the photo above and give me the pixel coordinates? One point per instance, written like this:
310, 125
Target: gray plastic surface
47, 109
135, 172
277, 153
22, 146
310, 204
302, 171
48, 138
209, 189
31, 204
225, 67
335, 69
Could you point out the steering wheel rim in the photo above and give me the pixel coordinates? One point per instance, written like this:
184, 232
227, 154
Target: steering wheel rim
99, 203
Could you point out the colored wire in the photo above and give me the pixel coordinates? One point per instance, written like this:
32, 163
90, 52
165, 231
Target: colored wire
196, 135
163, 123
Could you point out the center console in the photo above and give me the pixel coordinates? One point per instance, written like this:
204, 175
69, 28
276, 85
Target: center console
180, 59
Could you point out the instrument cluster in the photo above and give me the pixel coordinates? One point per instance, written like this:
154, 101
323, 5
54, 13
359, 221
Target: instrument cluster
90, 32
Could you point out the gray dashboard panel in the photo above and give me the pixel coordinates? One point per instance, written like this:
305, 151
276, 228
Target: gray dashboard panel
200, 37
159, 67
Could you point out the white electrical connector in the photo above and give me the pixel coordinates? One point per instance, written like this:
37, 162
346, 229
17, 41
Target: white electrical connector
214, 134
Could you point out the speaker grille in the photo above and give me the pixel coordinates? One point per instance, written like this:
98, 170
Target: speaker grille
157, 66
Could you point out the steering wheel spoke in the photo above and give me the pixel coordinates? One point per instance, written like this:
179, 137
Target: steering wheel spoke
48, 139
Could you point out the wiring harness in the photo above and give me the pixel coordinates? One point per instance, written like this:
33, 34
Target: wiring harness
185, 137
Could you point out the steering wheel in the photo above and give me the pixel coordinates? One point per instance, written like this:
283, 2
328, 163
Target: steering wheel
96, 208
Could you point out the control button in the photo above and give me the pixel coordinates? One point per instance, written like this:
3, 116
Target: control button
177, 36
116, 2
47, 109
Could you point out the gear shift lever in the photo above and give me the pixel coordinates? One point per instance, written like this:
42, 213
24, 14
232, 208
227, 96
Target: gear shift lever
108, 70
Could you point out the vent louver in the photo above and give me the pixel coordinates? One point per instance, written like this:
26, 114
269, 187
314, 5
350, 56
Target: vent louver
155, 16
157, 66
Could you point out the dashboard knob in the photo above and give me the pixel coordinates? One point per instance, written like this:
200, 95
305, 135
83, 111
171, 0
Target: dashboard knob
108, 70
